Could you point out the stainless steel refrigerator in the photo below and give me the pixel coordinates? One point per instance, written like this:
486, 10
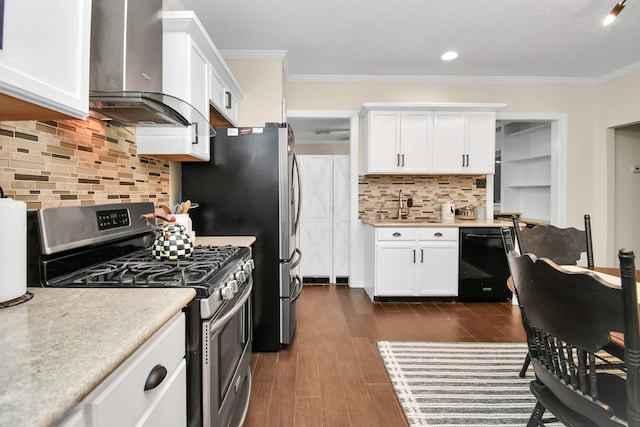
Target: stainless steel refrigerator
251, 187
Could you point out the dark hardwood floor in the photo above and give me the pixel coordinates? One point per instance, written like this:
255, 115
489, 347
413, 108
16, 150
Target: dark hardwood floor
332, 374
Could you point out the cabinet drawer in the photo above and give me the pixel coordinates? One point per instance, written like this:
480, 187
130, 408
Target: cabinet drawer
399, 233
437, 233
121, 399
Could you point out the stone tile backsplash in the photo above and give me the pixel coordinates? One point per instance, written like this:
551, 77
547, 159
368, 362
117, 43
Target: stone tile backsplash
378, 194
76, 162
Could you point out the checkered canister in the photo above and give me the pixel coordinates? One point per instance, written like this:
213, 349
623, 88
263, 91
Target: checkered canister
172, 243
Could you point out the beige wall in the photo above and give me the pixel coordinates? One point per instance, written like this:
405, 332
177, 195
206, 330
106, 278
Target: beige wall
330, 149
590, 109
618, 104
262, 84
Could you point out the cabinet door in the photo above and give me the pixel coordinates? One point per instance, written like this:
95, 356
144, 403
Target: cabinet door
164, 412
315, 244
231, 106
438, 268
341, 204
316, 215
186, 76
44, 58
395, 269
383, 138
217, 91
448, 142
415, 144
481, 141
199, 78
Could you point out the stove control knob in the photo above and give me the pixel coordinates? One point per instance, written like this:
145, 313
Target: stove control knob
248, 266
227, 292
240, 276
234, 285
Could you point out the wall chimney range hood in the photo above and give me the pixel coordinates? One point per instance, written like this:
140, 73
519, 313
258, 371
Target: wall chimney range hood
126, 68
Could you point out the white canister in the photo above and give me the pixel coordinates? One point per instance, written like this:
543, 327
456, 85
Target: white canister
185, 220
448, 212
13, 251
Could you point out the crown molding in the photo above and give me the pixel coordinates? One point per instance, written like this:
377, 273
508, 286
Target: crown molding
253, 54
619, 73
318, 78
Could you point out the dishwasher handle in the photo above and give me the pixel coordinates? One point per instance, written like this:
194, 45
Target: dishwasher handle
484, 236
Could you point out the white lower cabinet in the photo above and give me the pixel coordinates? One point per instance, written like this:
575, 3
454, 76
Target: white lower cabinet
412, 262
121, 399
438, 263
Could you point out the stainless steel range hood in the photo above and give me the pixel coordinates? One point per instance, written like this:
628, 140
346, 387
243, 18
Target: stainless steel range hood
126, 67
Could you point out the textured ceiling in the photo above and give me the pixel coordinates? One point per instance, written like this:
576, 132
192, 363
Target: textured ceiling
498, 40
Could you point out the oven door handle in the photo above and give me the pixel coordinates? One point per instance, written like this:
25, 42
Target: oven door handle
297, 291
218, 324
484, 236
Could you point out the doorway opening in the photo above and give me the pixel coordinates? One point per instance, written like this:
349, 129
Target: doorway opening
324, 146
530, 177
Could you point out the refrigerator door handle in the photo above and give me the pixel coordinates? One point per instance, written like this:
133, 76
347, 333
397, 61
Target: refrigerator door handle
294, 259
297, 291
299, 198
295, 262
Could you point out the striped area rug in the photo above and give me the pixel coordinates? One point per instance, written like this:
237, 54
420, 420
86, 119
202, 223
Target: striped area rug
460, 384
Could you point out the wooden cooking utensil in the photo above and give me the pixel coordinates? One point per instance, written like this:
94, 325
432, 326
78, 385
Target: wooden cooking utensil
186, 206
166, 209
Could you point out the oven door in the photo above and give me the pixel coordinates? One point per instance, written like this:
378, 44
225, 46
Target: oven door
226, 356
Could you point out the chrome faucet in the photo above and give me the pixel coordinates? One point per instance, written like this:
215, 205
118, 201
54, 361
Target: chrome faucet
400, 205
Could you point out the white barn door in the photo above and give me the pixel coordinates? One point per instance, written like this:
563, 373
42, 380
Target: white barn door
316, 174
341, 196
324, 216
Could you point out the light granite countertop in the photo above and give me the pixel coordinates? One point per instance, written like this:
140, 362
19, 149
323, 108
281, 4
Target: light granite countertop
424, 223
225, 240
58, 346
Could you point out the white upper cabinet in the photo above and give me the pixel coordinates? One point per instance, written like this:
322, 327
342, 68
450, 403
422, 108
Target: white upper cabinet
192, 70
464, 142
224, 94
44, 59
414, 138
398, 142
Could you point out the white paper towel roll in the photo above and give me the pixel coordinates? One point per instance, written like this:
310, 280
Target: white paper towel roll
13, 249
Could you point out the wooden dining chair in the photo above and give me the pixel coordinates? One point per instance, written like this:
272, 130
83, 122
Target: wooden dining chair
509, 247
564, 246
570, 316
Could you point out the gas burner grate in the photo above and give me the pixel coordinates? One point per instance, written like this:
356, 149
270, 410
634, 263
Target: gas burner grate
141, 269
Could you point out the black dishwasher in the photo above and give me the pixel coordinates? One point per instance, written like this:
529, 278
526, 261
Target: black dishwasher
483, 269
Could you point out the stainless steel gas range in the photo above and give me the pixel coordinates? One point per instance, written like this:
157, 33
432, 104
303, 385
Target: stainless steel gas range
109, 246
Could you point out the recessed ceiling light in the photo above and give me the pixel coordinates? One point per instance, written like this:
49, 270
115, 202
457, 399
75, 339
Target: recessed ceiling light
614, 13
449, 56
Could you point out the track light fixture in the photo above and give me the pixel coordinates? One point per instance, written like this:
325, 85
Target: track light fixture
614, 12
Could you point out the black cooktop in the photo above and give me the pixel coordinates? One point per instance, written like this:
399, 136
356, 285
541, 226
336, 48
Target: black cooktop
202, 270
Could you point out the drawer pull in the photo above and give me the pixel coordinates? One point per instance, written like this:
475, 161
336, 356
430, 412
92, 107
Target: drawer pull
396, 234
437, 234
155, 378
